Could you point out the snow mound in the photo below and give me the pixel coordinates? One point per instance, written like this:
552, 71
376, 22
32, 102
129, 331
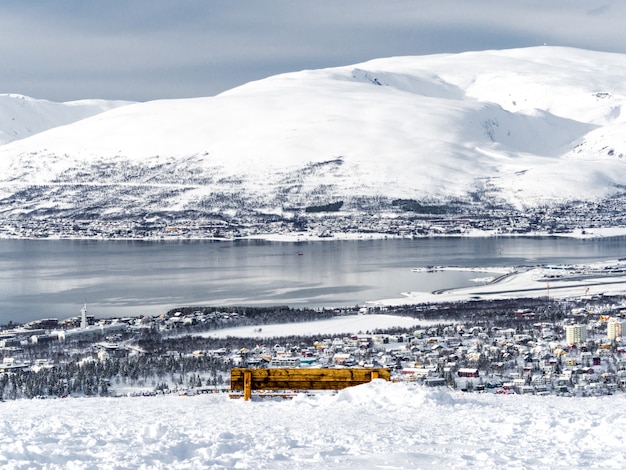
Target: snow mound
376, 425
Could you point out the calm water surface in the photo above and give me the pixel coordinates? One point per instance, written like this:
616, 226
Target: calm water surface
53, 278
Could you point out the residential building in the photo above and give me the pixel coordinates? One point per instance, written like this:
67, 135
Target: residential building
614, 329
575, 334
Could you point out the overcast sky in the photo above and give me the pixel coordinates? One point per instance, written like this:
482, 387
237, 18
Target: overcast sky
149, 49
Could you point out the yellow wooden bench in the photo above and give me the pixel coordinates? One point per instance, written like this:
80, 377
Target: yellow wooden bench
247, 380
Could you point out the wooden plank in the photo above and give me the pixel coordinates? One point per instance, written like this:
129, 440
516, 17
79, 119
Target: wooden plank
303, 379
247, 384
348, 374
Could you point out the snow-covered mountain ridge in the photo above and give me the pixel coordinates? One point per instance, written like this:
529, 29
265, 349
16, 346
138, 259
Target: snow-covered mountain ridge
522, 128
22, 116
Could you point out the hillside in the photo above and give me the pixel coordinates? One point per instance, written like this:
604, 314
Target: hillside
522, 129
22, 116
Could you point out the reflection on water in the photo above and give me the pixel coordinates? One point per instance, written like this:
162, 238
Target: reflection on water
53, 278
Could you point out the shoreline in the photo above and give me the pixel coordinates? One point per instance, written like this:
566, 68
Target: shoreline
480, 286
571, 281
302, 237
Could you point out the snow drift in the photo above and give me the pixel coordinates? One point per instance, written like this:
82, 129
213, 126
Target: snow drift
377, 425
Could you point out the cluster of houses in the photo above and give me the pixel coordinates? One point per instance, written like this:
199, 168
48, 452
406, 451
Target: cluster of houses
86, 327
580, 356
105, 338
580, 359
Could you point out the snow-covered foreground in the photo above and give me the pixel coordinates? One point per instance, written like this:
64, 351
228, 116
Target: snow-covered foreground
377, 425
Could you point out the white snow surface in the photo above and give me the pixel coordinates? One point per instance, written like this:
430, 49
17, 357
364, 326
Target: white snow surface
22, 116
572, 281
380, 425
351, 324
527, 125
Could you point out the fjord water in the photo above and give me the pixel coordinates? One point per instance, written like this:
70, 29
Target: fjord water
54, 278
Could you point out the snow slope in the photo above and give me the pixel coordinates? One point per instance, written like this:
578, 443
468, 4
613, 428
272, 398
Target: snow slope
373, 426
529, 126
22, 116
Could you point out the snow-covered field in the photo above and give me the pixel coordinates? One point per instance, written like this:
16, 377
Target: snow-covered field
568, 282
378, 425
349, 325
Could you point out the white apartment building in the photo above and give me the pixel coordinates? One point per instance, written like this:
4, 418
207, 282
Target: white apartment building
614, 329
575, 334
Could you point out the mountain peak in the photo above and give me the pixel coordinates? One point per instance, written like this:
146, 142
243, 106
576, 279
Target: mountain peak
22, 116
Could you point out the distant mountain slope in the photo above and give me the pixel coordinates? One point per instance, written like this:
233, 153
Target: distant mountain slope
523, 127
22, 116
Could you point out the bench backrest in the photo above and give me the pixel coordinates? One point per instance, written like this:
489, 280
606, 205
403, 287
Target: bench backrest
302, 379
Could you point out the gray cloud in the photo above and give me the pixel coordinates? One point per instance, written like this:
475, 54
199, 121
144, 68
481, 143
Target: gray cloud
149, 49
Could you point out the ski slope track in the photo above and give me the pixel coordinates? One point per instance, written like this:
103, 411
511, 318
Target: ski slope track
523, 127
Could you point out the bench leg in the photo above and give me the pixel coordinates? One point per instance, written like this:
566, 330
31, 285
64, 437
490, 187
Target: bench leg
247, 384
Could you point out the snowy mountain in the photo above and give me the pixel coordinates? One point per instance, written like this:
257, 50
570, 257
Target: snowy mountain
524, 127
21, 116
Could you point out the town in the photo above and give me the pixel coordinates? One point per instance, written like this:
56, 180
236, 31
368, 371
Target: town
397, 218
537, 346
